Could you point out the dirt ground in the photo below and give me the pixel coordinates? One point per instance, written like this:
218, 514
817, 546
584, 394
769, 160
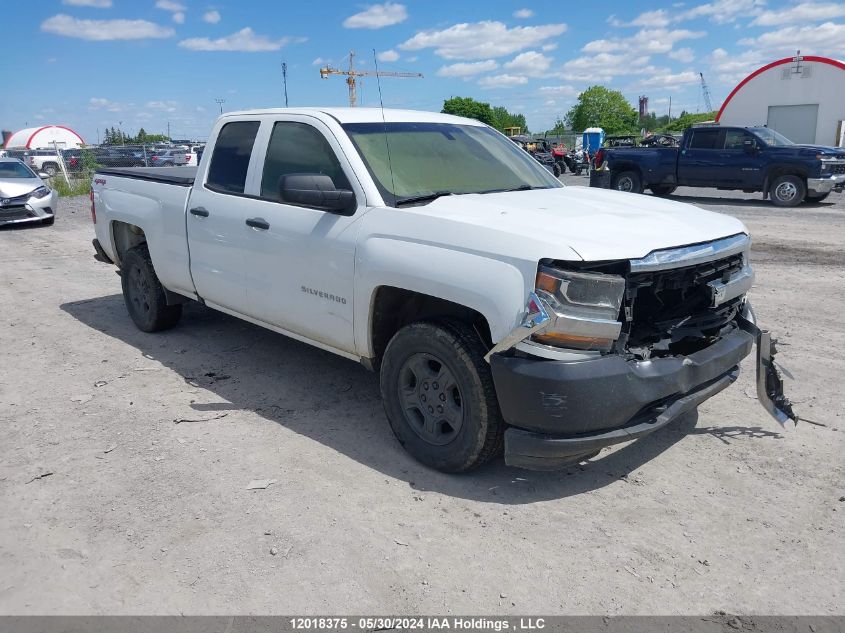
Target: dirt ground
150, 442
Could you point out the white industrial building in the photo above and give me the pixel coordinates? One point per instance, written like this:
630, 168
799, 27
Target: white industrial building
43, 138
801, 97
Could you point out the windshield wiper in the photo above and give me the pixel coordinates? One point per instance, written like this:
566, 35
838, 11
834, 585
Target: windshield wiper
426, 197
520, 188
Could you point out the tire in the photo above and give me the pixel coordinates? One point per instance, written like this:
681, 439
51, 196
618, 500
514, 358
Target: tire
167, 165
628, 181
816, 198
51, 169
143, 293
662, 190
48, 221
787, 191
556, 170
441, 362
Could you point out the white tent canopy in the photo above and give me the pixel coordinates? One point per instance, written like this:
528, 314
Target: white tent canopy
44, 137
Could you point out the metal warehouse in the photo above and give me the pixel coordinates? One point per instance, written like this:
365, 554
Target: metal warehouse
802, 97
43, 138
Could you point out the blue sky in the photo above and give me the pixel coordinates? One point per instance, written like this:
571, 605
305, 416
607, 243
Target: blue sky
91, 64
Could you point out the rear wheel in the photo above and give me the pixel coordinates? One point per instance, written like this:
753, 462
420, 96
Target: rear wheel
628, 181
439, 397
51, 169
143, 293
816, 197
662, 190
787, 191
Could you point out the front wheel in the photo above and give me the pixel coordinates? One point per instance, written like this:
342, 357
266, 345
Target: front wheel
143, 293
628, 181
787, 191
556, 170
662, 190
439, 398
51, 170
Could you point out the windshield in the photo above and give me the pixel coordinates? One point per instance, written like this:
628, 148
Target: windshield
443, 159
10, 169
772, 138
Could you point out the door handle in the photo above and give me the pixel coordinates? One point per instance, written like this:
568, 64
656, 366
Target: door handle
258, 223
200, 211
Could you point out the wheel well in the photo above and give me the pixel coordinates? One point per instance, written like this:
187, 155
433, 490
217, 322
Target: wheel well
126, 236
394, 308
774, 172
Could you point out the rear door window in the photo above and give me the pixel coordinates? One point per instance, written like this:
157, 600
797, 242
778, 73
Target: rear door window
704, 139
230, 160
734, 139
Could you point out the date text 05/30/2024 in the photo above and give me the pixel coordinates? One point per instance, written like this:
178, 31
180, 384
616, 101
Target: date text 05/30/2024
454, 623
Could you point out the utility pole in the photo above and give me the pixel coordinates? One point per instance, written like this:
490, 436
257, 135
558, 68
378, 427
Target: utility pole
285, 80
168, 129
120, 127
670, 108
220, 102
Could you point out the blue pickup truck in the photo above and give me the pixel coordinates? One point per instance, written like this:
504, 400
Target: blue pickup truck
745, 158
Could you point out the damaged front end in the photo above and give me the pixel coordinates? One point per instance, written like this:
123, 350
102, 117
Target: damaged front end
663, 317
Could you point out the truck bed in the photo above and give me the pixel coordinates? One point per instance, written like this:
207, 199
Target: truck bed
182, 176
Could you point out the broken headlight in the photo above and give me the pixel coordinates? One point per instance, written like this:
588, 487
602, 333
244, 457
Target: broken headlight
584, 308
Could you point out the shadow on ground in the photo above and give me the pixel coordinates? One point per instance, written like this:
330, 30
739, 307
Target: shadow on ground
290, 383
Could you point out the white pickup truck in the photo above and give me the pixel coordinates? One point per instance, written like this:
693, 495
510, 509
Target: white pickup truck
502, 309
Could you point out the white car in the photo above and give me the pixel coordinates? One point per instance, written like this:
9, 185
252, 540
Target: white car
24, 197
503, 310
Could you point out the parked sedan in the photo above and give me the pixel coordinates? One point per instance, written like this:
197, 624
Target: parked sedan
24, 197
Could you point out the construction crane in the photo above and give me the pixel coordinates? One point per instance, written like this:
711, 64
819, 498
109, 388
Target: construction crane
705, 92
351, 75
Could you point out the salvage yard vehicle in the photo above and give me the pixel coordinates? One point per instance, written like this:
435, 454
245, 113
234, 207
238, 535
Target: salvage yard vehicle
745, 158
502, 310
24, 197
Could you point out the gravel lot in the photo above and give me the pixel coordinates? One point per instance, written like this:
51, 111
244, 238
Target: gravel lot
151, 440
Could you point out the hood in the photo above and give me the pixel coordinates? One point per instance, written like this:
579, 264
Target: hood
595, 224
14, 187
837, 152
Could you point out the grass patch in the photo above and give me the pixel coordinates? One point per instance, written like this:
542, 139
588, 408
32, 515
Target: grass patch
77, 187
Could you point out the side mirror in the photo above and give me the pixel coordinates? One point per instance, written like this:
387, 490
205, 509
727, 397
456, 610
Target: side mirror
316, 191
43, 175
749, 146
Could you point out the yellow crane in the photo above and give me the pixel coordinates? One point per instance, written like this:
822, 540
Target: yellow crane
351, 74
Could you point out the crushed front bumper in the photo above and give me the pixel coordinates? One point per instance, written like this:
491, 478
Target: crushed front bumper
560, 411
27, 208
821, 186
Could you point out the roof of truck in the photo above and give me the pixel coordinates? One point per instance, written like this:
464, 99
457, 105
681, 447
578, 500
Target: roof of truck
366, 115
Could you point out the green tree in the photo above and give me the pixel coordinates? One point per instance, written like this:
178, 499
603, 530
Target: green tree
686, 120
470, 108
142, 136
600, 107
558, 130
503, 119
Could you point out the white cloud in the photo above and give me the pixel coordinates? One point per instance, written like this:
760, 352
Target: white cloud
654, 19
97, 4
104, 30
722, 11
731, 68
548, 47
179, 17
163, 106
602, 67
388, 56
246, 40
827, 38
200, 109
319, 61
643, 42
663, 78
801, 14
170, 5
530, 63
480, 40
377, 16
563, 91
523, 14
467, 69
502, 81
685, 55
99, 103
212, 17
